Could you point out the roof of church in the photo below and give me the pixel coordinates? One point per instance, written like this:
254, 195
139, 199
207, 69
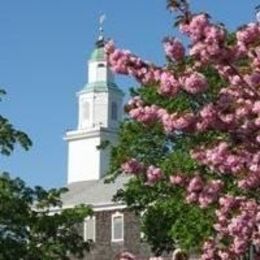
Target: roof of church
99, 53
94, 192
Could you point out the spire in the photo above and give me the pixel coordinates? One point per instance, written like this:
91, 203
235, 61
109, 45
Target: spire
257, 13
101, 39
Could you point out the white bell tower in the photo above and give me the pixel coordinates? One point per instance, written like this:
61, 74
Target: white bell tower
100, 112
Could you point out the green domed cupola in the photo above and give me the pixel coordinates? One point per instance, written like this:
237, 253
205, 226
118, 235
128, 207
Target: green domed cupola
98, 54
100, 77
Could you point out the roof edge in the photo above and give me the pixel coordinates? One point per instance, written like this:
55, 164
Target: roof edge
96, 207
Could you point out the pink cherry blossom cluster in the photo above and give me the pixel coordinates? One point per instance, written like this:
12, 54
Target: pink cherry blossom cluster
169, 85
171, 122
207, 38
141, 113
194, 83
236, 115
178, 180
247, 47
124, 62
173, 48
209, 47
132, 166
237, 222
254, 55
219, 158
232, 112
248, 35
243, 165
198, 190
210, 251
144, 114
154, 174
203, 193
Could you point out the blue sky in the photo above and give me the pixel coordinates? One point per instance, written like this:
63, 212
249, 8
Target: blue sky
44, 47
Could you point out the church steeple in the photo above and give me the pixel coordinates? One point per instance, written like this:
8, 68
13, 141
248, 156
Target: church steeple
100, 112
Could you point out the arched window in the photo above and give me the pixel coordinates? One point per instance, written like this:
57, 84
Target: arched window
90, 228
117, 227
114, 111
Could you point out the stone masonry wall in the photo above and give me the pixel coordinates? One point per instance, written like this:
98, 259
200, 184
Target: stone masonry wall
104, 248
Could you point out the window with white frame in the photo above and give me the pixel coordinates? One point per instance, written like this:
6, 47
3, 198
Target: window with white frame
90, 228
117, 227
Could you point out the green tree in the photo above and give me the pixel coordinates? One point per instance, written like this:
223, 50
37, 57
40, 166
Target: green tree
33, 224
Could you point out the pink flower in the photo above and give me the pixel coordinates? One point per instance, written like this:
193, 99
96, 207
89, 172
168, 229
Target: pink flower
224, 255
168, 84
192, 197
209, 250
110, 47
195, 184
253, 79
146, 114
248, 34
239, 246
153, 174
174, 48
135, 102
256, 107
177, 180
132, 167
195, 83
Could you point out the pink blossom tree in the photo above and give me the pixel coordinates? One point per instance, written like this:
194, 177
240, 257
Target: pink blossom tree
192, 138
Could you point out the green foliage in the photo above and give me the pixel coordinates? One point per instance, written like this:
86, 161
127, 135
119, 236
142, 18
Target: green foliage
171, 223
140, 139
32, 222
150, 96
9, 136
33, 226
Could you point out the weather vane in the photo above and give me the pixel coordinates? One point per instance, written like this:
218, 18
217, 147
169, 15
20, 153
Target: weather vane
102, 19
257, 12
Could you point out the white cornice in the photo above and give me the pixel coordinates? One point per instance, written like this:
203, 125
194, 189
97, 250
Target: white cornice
94, 132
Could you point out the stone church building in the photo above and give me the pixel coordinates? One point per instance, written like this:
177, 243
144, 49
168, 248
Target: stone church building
100, 109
